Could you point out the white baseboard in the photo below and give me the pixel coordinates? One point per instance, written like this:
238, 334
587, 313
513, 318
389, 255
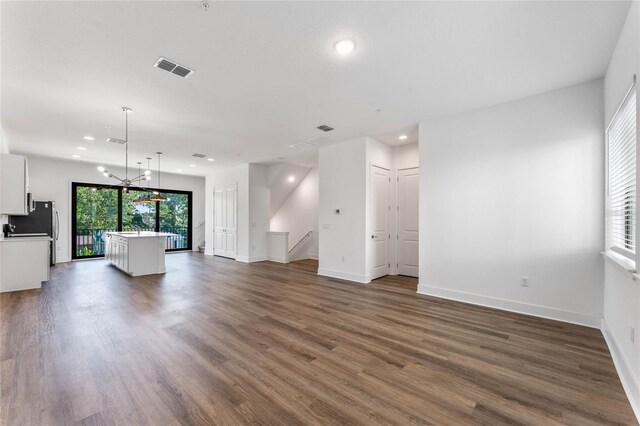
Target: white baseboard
344, 275
313, 256
579, 318
246, 259
278, 259
629, 382
208, 252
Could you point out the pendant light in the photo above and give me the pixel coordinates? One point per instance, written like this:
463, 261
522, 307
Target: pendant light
155, 196
126, 182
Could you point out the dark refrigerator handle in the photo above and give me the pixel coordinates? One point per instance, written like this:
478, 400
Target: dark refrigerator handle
57, 226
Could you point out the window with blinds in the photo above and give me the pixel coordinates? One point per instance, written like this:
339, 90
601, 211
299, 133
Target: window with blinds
621, 178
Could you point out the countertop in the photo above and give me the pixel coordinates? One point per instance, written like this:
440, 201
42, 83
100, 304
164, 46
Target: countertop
22, 239
143, 234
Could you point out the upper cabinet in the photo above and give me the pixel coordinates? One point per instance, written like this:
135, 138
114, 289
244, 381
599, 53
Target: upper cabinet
14, 185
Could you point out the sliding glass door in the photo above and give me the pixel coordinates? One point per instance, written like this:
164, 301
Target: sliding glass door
97, 209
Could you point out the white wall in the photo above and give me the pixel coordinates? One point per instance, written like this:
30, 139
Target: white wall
239, 176
513, 191
342, 183
50, 180
621, 290
299, 215
259, 212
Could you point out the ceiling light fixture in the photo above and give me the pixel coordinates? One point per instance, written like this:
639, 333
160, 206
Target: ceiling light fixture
210, 159
126, 182
156, 194
344, 47
291, 179
402, 137
192, 165
101, 169
89, 138
82, 148
75, 156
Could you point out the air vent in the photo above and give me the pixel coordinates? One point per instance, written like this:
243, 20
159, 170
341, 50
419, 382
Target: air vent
325, 128
173, 68
116, 140
198, 155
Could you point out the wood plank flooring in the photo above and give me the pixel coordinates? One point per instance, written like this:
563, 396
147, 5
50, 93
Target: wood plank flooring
215, 341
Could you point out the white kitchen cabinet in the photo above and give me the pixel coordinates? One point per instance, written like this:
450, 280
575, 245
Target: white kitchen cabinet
24, 263
14, 185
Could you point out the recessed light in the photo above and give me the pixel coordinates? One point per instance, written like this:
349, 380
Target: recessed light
179, 170
291, 179
89, 138
101, 169
402, 137
82, 148
344, 47
75, 156
192, 165
210, 159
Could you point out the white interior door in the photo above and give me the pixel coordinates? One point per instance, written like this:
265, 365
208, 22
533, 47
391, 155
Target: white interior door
408, 221
225, 214
380, 181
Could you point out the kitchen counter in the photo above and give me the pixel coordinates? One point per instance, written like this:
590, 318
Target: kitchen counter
24, 262
18, 239
137, 253
141, 234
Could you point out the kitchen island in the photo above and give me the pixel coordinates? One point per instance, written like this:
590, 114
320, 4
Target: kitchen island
136, 253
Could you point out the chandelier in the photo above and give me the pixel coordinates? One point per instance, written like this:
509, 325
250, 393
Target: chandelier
126, 182
155, 195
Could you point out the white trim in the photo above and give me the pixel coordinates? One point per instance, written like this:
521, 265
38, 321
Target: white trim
246, 259
278, 259
208, 252
358, 278
313, 256
629, 382
620, 261
579, 318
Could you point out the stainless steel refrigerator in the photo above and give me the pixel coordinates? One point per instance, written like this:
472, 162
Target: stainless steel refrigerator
42, 221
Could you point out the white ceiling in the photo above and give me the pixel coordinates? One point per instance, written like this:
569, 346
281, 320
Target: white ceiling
266, 73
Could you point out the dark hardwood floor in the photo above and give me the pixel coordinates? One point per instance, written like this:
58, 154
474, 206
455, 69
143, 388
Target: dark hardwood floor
220, 342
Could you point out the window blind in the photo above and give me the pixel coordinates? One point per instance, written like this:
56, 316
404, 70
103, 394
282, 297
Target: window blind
621, 178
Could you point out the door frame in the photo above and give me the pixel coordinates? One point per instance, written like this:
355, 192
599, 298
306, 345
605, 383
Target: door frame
369, 216
213, 239
397, 217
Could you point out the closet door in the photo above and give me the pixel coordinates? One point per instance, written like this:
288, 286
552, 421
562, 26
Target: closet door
408, 222
225, 214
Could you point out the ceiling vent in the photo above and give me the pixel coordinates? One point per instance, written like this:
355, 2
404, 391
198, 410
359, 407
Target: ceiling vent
173, 68
198, 155
325, 128
116, 140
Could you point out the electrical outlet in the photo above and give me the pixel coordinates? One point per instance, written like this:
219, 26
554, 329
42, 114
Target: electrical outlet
524, 282
633, 335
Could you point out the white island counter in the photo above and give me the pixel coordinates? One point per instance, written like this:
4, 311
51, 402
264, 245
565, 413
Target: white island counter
136, 253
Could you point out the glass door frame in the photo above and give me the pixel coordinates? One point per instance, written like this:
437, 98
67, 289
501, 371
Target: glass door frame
74, 222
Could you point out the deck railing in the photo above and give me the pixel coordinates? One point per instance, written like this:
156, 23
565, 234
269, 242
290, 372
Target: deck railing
89, 241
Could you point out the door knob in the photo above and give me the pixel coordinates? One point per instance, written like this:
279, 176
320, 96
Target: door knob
373, 236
